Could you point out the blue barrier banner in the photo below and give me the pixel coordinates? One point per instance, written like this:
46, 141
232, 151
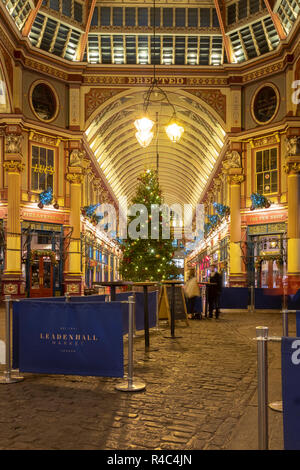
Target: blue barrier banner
268, 298
298, 323
139, 310
234, 297
294, 301
70, 338
290, 370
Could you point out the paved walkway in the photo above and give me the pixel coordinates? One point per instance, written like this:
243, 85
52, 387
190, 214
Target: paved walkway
200, 394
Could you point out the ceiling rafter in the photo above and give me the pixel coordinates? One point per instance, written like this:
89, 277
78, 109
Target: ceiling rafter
276, 21
226, 41
31, 18
84, 37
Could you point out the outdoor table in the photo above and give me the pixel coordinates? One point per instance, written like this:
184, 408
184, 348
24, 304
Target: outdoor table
145, 286
112, 285
172, 284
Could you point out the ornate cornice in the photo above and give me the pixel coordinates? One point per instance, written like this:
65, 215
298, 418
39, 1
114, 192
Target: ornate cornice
236, 179
13, 166
75, 178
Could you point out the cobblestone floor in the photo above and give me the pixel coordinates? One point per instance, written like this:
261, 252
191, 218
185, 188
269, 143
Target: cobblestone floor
198, 388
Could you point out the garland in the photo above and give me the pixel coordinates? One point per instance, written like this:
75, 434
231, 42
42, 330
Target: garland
221, 210
34, 254
277, 258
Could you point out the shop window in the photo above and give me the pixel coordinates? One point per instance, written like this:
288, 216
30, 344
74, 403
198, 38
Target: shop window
267, 171
42, 168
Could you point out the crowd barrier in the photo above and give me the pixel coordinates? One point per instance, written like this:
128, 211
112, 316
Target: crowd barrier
234, 297
69, 337
74, 336
290, 377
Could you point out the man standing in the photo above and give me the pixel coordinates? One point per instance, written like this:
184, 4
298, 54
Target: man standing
214, 293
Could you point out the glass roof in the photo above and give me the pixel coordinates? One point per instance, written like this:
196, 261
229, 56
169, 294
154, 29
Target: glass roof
116, 32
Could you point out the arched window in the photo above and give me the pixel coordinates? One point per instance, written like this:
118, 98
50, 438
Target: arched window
4, 100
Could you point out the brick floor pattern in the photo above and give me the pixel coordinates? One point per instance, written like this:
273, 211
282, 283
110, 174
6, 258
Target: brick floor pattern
197, 389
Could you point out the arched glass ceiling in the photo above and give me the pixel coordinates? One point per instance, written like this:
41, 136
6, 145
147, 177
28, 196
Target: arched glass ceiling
184, 167
209, 32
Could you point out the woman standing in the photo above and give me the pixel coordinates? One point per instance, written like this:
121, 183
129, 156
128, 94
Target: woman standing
192, 291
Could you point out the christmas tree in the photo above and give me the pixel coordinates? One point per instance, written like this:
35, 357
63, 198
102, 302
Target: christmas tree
146, 258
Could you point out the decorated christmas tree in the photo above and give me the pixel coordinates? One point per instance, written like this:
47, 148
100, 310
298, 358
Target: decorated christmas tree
148, 258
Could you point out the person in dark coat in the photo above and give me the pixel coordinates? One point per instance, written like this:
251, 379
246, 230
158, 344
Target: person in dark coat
214, 293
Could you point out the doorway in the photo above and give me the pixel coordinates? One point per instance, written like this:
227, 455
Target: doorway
41, 277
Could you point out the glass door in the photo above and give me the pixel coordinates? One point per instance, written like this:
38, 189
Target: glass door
41, 277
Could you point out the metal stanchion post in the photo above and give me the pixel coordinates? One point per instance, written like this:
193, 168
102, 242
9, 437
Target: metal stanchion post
130, 385
285, 323
262, 392
67, 297
134, 322
278, 405
252, 307
7, 378
157, 309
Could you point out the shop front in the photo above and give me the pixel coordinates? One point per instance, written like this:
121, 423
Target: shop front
42, 258
267, 254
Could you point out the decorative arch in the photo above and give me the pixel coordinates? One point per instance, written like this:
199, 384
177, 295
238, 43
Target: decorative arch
184, 168
6, 78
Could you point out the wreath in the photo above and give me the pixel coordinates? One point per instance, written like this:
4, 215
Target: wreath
34, 254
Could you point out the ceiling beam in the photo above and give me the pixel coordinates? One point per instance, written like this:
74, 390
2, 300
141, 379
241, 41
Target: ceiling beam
84, 36
226, 40
31, 18
276, 21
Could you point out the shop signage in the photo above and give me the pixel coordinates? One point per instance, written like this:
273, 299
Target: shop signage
265, 217
47, 216
69, 338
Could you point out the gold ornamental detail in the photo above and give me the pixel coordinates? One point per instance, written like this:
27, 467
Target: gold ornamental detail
236, 179
13, 166
292, 167
75, 178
